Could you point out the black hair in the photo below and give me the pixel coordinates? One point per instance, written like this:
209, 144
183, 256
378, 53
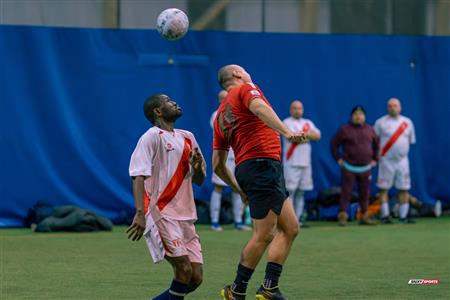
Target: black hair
150, 104
358, 107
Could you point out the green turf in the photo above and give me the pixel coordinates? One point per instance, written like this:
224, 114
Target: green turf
326, 262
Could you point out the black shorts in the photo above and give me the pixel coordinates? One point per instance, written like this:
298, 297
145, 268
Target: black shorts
262, 180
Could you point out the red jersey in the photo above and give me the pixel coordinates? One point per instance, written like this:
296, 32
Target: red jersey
236, 126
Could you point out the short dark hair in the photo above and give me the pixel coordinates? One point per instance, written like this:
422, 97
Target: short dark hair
358, 107
152, 102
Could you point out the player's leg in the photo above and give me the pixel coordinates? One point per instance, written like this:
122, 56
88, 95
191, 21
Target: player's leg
292, 177
403, 199
299, 204
306, 184
197, 277
182, 277
263, 233
238, 210
194, 250
172, 237
287, 230
296, 196
364, 180
403, 184
384, 208
182, 268
214, 206
348, 181
261, 180
384, 183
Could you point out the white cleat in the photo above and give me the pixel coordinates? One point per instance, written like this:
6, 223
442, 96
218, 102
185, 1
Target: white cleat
242, 227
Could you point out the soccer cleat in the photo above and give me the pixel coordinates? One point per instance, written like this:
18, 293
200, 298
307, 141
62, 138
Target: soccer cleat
216, 227
386, 220
242, 227
342, 218
407, 221
228, 294
269, 294
367, 220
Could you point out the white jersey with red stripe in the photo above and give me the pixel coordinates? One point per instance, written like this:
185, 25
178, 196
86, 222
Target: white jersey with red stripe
387, 126
164, 158
298, 155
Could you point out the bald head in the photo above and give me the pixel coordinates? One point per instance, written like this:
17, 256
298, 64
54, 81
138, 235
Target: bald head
232, 75
222, 94
296, 109
394, 107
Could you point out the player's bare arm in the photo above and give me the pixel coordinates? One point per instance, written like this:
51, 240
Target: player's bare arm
137, 227
313, 135
198, 164
270, 118
220, 168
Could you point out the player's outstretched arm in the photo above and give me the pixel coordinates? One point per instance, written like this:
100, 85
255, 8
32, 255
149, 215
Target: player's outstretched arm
137, 227
220, 168
268, 116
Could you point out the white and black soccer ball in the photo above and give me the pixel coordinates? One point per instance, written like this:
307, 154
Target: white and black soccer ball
172, 24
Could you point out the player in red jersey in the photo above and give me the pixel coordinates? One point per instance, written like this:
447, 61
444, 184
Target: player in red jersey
247, 123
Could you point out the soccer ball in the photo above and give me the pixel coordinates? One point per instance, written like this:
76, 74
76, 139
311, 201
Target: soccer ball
172, 24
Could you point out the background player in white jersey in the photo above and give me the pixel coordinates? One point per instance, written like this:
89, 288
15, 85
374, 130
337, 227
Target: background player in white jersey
297, 157
396, 133
163, 166
219, 184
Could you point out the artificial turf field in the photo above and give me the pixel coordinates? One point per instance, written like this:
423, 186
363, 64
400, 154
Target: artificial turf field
326, 262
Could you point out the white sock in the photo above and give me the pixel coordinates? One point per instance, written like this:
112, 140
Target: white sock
404, 209
299, 204
237, 208
214, 206
384, 209
438, 208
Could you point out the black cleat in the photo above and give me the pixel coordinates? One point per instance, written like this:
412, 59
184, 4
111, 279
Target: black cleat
269, 294
407, 221
228, 294
386, 220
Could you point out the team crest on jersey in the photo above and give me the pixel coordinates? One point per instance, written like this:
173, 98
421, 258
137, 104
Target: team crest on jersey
169, 147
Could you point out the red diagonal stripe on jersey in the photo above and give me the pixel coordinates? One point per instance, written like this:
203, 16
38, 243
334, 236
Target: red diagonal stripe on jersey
146, 202
291, 149
177, 179
306, 127
394, 138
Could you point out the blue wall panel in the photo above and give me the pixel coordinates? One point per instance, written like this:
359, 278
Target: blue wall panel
71, 102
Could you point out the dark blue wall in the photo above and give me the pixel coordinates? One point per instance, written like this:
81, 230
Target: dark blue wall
71, 102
